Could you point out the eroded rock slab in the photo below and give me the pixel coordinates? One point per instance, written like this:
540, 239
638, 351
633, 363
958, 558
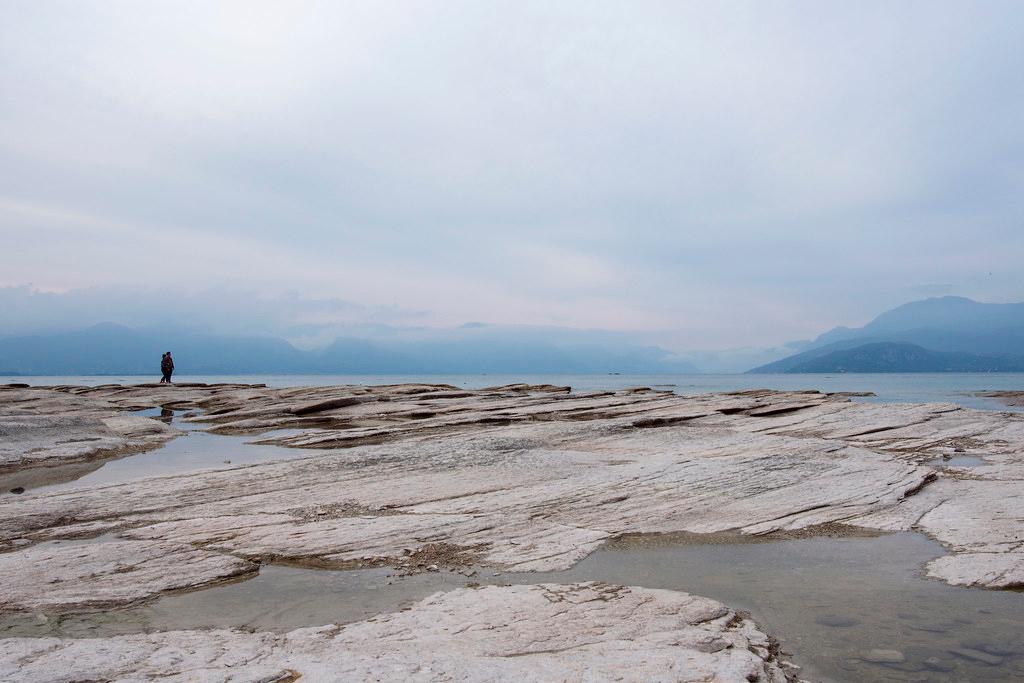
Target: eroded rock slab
534, 478
41, 427
580, 632
1010, 398
80, 576
990, 570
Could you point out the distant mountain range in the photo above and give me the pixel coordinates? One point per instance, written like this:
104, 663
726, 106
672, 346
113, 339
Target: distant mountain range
113, 349
946, 334
893, 357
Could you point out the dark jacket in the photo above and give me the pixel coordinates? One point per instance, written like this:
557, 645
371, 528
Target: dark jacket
166, 365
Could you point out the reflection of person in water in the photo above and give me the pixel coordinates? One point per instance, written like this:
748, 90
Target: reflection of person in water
166, 367
166, 415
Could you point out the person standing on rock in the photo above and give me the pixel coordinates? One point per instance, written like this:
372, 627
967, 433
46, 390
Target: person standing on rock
166, 367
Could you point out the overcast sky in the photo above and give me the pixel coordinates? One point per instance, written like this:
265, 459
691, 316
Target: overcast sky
708, 175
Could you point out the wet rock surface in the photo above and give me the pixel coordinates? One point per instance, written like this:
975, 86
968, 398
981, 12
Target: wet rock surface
882, 656
515, 478
784, 584
71, 576
526, 633
837, 621
975, 655
1010, 398
48, 436
535, 478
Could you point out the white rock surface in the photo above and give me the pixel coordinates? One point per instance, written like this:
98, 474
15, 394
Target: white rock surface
518, 478
522, 478
77, 576
989, 570
41, 427
580, 632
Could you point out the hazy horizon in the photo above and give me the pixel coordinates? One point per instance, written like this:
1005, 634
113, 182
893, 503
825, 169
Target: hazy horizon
699, 177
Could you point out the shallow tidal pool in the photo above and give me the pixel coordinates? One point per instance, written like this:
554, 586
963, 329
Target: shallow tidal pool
192, 451
848, 609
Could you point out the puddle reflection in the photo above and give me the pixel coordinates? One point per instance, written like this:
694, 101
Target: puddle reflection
193, 450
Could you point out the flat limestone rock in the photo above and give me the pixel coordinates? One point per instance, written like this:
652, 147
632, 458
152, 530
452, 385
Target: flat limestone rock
527, 478
517, 478
578, 632
1010, 398
91, 575
42, 427
991, 570
135, 426
521, 498
329, 404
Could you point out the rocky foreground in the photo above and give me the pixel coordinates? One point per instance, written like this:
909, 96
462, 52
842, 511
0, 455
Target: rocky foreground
517, 478
523, 633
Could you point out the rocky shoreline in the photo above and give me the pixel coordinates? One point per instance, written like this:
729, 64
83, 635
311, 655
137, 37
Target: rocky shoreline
1010, 398
514, 478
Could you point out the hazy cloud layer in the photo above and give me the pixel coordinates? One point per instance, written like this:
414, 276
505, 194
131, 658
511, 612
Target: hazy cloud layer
307, 323
701, 174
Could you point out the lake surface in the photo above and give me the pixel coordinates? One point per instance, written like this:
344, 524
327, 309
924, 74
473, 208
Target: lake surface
888, 387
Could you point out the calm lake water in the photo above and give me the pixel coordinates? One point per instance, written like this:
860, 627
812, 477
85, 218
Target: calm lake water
888, 387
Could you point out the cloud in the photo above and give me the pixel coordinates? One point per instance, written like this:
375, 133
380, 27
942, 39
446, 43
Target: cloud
716, 174
307, 322
934, 289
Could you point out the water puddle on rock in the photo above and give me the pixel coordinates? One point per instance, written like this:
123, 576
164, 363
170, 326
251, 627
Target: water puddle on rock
279, 598
848, 609
958, 461
193, 450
